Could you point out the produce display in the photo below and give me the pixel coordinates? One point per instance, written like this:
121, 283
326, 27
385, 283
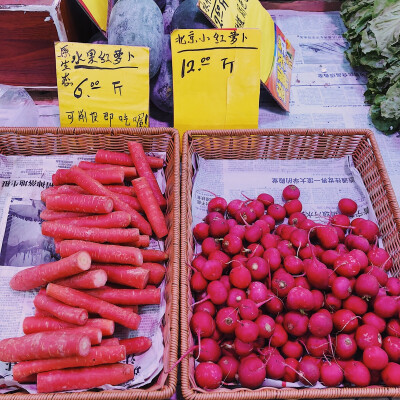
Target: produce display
374, 36
280, 296
101, 231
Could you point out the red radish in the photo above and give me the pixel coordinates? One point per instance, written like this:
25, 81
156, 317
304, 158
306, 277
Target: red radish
212, 270
227, 320
393, 328
340, 220
346, 265
393, 286
258, 268
357, 242
357, 373
374, 320
301, 281
320, 324
265, 228
345, 321
291, 368
340, 233
251, 372
318, 299
275, 366
202, 324
235, 296
391, 345
258, 292
296, 218
231, 244
292, 349
274, 305
317, 346
247, 331
346, 346
279, 319
279, 337
327, 236
391, 375
308, 372
266, 199
367, 229
234, 206
197, 282
385, 306
307, 225
375, 358
273, 257
367, 336
379, 274
331, 374
229, 367
318, 251
295, 323
213, 216
238, 259
300, 299
218, 228
380, 258
277, 212
246, 215
332, 303
208, 375
291, 192
361, 257
255, 250
293, 206
220, 256
282, 283
240, 277
342, 249
217, 204
206, 306
317, 274
241, 348
347, 206
266, 326
269, 220
216, 292
258, 207
232, 222
209, 245
293, 265
248, 309
199, 262
208, 350
356, 304
285, 248
299, 238
341, 287
225, 281
285, 231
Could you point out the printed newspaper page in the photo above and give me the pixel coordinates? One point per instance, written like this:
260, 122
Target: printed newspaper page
22, 245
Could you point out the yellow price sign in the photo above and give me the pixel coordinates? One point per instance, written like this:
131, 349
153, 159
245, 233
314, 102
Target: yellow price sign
102, 85
216, 78
251, 14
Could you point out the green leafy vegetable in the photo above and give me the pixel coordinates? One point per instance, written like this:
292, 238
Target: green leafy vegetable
373, 32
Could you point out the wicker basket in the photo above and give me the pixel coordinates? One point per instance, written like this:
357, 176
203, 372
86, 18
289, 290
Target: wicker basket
283, 144
45, 141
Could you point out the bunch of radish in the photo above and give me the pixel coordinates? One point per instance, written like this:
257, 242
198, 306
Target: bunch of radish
101, 229
283, 297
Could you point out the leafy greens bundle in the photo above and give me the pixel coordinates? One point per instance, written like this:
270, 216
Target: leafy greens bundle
374, 37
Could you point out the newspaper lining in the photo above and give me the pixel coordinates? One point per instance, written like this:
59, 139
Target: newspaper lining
22, 245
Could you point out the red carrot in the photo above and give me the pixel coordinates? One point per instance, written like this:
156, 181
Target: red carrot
84, 378
104, 253
85, 280
150, 255
63, 189
42, 313
98, 235
150, 206
134, 309
97, 355
106, 326
33, 277
108, 177
127, 296
157, 272
77, 316
81, 178
50, 215
76, 298
128, 190
133, 277
116, 158
110, 342
129, 172
44, 345
144, 170
137, 345
80, 203
130, 200
116, 219
142, 242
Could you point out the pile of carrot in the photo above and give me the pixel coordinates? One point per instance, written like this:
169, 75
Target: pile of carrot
101, 229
